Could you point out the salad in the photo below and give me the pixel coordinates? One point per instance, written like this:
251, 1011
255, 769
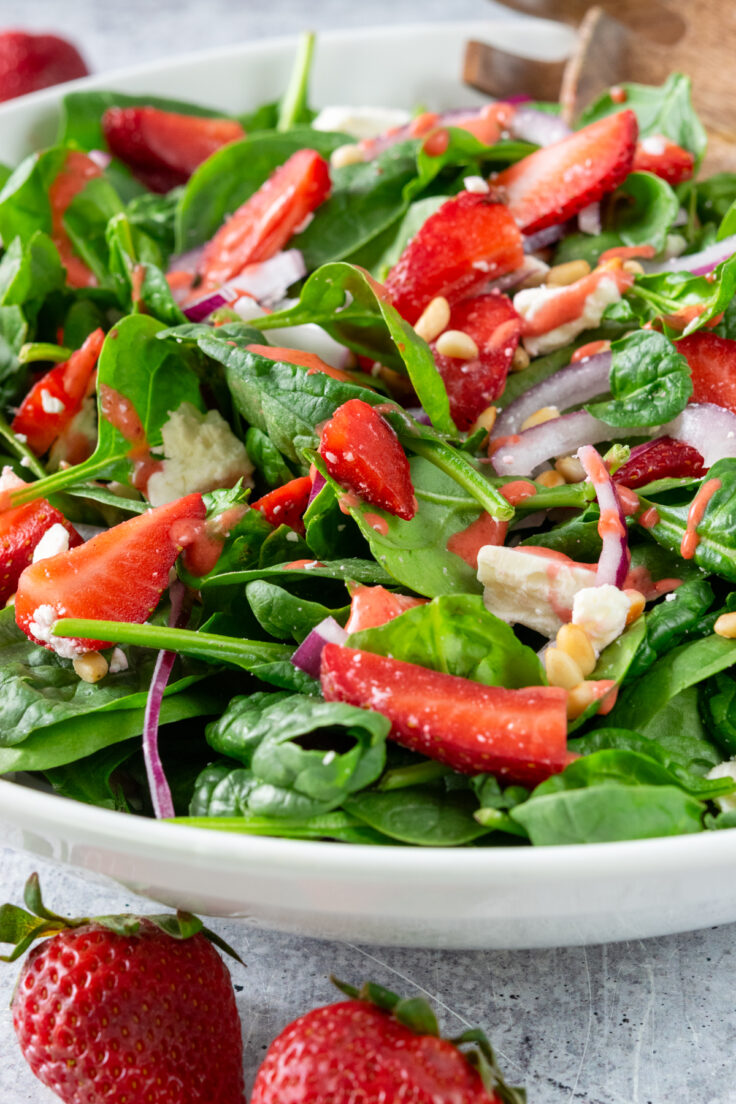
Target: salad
371, 476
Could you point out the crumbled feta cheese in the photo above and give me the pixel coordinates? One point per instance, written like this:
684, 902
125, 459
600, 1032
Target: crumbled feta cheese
50, 404
360, 122
40, 627
118, 661
476, 184
528, 301
53, 541
9, 481
202, 453
533, 590
602, 612
654, 144
724, 770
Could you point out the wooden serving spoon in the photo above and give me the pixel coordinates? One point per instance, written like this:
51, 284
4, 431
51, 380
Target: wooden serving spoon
644, 42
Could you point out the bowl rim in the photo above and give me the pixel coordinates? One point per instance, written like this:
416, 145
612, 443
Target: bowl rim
25, 807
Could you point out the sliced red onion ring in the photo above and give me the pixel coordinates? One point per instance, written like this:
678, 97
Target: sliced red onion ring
310, 337
522, 454
532, 266
539, 127
543, 238
318, 483
700, 264
613, 564
270, 280
419, 414
163, 805
571, 386
589, 219
706, 427
308, 655
203, 308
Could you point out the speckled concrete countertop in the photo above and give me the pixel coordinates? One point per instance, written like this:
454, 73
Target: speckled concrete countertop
633, 1023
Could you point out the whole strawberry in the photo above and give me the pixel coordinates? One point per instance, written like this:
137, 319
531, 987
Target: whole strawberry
129, 1010
376, 1048
32, 61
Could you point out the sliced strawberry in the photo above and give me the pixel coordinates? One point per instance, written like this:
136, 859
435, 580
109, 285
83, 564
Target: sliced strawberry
56, 398
712, 361
29, 62
118, 575
371, 606
75, 174
660, 459
165, 146
21, 528
518, 734
660, 155
495, 327
363, 454
551, 185
286, 504
300, 357
468, 241
265, 222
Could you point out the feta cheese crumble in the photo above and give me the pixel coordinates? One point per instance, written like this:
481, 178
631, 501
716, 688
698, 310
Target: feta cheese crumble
50, 404
528, 301
54, 541
41, 627
118, 661
602, 612
201, 454
529, 589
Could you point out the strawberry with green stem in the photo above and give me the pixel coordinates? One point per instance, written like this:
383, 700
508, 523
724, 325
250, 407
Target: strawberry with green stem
126, 1009
376, 1047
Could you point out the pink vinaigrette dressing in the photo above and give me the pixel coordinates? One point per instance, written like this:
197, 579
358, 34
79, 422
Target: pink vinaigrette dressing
468, 542
120, 412
73, 178
695, 515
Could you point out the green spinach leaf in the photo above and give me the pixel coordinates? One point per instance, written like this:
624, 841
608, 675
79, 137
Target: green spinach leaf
650, 382
426, 816
667, 110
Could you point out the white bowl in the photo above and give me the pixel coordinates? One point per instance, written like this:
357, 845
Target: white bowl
485, 897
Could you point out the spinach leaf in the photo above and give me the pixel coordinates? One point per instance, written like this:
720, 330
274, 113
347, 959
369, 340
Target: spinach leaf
231, 175
684, 666
352, 308
69, 740
670, 622
155, 378
29, 272
85, 221
346, 570
717, 706
682, 757
13, 373
422, 815
627, 766
715, 550
305, 755
679, 729
266, 458
286, 616
92, 780
457, 635
24, 200
661, 294
80, 124
608, 812
650, 382
330, 533
665, 110
136, 266
154, 215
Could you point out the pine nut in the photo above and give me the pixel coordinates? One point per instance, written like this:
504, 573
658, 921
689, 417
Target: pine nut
433, 319
91, 667
574, 640
457, 343
520, 359
726, 626
10, 601
485, 420
570, 468
550, 479
634, 268
637, 602
544, 414
570, 272
579, 698
350, 154
561, 668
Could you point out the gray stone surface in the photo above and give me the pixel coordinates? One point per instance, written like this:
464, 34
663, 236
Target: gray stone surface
634, 1023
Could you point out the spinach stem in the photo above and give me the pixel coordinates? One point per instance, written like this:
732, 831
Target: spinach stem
459, 468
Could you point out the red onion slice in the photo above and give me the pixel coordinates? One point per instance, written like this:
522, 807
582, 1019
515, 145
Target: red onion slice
308, 655
532, 125
163, 805
270, 280
615, 557
570, 386
186, 262
101, 158
700, 264
523, 453
532, 266
706, 427
202, 308
318, 482
543, 238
